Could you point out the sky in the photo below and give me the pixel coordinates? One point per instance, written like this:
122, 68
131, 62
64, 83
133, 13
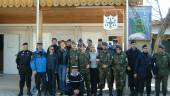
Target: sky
164, 6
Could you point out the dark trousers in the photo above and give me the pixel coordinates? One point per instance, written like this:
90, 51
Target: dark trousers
40, 78
142, 83
158, 80
58, 82
25, 77
70, 90
132, 82
94, 79
51, 82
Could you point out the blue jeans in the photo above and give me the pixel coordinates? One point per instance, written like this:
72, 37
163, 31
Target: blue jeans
62, 71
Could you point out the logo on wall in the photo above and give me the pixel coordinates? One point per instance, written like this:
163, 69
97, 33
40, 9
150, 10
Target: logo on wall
140, 23
110, 22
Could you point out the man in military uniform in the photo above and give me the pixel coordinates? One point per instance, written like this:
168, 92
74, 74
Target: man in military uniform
162, 63
83, 63
73, 58
119, 67
23, 65
105, 59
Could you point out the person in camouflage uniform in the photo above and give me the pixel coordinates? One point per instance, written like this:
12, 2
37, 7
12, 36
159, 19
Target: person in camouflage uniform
83, 64
162, 63
105, 59
119, 67
73, 55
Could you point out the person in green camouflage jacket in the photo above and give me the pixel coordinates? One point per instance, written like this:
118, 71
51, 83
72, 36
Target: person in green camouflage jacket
162, 64
119, 67
83, 64
105, 59
73, 56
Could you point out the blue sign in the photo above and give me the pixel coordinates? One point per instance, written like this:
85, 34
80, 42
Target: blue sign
139, 23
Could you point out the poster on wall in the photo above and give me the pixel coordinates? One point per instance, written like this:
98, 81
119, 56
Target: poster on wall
139, 23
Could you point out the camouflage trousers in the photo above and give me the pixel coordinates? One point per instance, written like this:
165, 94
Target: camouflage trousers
86, 75
106, 74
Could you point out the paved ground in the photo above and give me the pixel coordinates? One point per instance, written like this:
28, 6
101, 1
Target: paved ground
9, 86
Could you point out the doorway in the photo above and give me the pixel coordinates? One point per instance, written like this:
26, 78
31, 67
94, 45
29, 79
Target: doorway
1, 53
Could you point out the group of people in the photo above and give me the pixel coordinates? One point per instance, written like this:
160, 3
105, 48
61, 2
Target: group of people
75, 69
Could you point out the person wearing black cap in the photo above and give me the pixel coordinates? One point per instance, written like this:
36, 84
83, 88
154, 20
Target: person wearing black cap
132, 53
23, 65
75, 86
162, 63
143, 69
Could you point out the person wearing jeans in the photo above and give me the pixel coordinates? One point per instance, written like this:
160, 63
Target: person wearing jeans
62, 61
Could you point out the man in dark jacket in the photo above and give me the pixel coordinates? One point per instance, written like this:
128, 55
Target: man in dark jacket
143, 69
132, 53
62, 63
23, 65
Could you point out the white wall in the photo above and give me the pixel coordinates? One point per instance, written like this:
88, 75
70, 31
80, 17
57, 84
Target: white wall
27, 33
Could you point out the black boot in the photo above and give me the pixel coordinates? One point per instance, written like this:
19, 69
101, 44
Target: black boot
100, 93
140, 94
157, 93
132, 93
39, 93
110, 92
20, 94
164, 94
88, 94
29, 92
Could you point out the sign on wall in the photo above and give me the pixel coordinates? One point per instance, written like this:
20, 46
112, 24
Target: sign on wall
110, 22
139, 23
